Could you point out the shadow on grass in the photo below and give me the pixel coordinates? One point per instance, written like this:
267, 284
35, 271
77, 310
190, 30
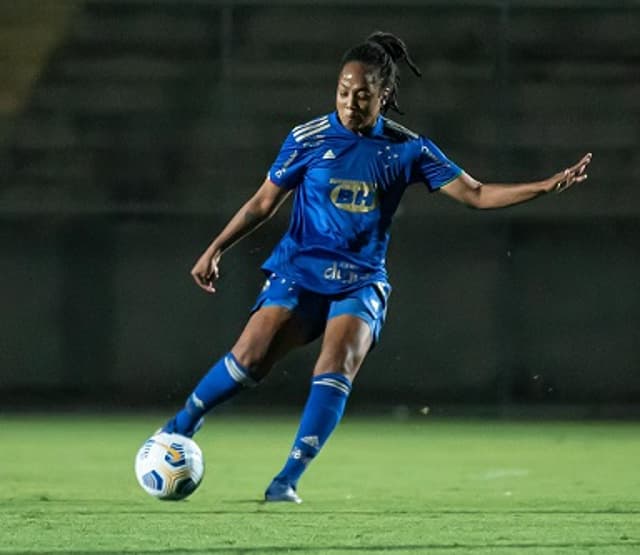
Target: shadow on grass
286, 509
341, 548
259, 506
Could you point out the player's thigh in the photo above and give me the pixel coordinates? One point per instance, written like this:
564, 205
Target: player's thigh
355, 321
347, 340
271, 332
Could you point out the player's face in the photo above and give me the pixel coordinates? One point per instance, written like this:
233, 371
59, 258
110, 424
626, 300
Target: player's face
359, 96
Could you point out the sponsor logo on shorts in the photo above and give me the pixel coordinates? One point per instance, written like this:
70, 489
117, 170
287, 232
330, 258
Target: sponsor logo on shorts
344, 273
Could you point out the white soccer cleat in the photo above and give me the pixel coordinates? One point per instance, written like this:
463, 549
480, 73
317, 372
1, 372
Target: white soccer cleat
281, 491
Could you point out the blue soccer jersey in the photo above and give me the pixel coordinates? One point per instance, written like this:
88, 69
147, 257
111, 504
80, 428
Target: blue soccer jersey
347, 188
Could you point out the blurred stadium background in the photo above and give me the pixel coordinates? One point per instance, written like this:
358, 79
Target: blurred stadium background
131, 130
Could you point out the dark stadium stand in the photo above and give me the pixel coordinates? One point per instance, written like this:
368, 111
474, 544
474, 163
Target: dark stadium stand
130, 131
145, 102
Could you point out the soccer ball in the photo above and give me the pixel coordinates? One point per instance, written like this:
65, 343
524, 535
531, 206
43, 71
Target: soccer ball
169, 466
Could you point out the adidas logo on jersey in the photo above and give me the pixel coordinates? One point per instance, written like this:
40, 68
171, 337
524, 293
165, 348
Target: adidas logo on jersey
329, 155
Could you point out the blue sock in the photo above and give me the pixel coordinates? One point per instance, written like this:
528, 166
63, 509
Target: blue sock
225, 378
324, 409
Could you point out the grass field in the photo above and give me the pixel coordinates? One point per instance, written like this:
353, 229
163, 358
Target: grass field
381, 486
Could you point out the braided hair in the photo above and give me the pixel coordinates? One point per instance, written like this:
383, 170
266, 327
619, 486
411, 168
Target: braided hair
383, 51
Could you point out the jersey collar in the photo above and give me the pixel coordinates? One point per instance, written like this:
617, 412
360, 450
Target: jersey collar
376, 131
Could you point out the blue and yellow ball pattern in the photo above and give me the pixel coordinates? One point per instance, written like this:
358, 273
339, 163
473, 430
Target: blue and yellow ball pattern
169, 466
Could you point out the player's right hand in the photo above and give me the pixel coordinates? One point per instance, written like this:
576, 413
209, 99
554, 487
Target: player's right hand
205, 270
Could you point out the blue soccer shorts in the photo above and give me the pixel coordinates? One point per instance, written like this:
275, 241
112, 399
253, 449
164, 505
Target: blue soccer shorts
369, 303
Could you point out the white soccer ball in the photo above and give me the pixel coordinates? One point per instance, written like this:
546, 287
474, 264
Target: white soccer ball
169, 466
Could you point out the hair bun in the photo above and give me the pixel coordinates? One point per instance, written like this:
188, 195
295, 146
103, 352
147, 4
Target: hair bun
391, 44
394, 47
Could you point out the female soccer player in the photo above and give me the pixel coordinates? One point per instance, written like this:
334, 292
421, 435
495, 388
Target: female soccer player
326, 277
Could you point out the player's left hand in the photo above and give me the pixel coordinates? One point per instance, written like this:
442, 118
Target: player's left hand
575, 174
205, 271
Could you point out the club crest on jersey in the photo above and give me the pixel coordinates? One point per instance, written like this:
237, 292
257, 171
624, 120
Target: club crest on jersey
354, 196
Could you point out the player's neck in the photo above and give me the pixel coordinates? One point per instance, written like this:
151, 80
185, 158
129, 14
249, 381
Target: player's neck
363, 131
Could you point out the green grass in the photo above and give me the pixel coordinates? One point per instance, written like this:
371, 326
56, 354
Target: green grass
380, 486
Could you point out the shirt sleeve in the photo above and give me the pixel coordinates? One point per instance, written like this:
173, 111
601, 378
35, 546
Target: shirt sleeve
432, 167
289, 167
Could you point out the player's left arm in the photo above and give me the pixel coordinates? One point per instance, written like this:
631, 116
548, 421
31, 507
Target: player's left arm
473, 193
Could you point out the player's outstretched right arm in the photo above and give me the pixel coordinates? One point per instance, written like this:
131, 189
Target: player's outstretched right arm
257, 210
